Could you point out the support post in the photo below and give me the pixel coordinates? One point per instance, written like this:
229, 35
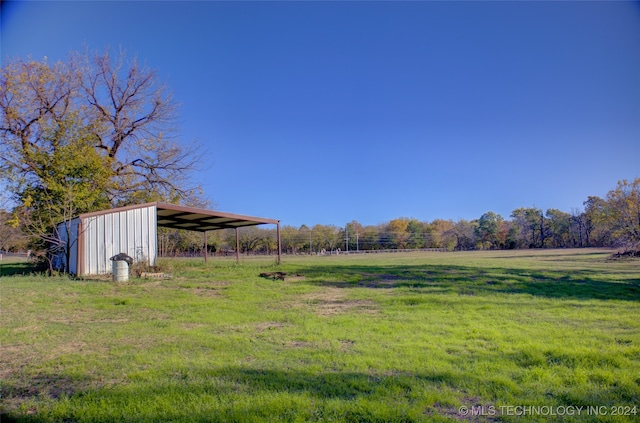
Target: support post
279, 244
237, 246
206, 246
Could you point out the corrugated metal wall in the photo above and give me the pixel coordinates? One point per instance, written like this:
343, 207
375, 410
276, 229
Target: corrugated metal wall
133, 232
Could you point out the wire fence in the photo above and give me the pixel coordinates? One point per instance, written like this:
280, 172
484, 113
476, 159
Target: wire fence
389, 250
13, 254
334, 252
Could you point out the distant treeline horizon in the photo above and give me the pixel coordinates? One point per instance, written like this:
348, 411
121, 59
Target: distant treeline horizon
613, 221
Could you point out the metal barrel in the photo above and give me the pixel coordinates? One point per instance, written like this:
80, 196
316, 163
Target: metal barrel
120, 271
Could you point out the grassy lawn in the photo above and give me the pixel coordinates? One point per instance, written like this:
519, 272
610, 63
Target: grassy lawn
384, 338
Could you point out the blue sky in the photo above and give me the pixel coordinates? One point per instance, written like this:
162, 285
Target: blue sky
326, 112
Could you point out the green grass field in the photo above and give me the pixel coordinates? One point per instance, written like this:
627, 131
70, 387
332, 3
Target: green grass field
481, 336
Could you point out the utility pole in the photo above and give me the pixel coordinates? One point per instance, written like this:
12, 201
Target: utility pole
346, 237
357, 242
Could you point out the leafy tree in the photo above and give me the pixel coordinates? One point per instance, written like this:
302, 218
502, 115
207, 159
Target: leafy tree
396, 233
291, 239
326, 237
441, 234
560, 226
252, 238
624, 206
11, 238
353, 231
179, 241
269, 241
597, 222
503, 233
416, 231
487, 230
370, 237
307, 235
66, 177
463, 233
578, 227
529, 227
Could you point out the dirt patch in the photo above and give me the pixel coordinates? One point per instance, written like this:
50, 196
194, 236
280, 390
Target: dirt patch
16, 393
14, 357
333, 301
206, 292
189, 326
265, 326
207, 289
217, 283
300, 344
346, 345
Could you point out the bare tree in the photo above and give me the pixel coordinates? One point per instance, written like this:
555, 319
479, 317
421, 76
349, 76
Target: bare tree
137, 130
127, 113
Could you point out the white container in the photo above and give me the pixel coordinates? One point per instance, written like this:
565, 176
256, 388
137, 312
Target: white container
120, 271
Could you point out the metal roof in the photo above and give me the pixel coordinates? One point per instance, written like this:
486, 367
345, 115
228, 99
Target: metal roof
192, 218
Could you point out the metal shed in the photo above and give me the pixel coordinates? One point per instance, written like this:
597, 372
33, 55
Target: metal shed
95, 237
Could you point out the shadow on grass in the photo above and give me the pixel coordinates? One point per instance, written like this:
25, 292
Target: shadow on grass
246, 394
469, 280
40, 386
15, 268
249, 394
339, 385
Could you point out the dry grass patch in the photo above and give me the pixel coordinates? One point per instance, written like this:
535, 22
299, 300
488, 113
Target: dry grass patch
301, 344
14, 357
346, 345
191, 326
209, 288
265, 326
331, 301
206, 292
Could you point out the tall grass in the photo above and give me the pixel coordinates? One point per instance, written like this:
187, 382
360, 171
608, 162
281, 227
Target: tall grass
390, 337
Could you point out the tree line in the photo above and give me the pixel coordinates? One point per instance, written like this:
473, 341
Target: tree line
613, 221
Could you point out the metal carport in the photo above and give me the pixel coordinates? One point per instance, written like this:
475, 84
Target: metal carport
93, 238
202, 220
